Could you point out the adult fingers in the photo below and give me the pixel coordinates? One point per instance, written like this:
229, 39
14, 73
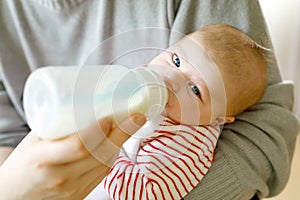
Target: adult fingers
98, 138
74, 147
74, 185
85, 184
75, 170
93, 178
91, 171
123, 131
107, 151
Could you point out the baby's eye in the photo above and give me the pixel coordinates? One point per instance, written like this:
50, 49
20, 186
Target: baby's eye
195, 90
176, 60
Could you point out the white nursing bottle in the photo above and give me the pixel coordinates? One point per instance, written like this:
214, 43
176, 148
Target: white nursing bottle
60, 100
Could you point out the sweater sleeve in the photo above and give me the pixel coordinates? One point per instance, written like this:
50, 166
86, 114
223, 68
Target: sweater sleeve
12, 127
254, 153
168, 165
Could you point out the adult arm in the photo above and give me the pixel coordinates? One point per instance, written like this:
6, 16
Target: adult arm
4, 153
254, 153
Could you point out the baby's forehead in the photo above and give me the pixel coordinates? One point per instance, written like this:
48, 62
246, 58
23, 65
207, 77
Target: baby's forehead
190, 50
186, 47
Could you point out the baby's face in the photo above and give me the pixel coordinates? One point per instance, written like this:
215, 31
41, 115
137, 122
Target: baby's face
190, 78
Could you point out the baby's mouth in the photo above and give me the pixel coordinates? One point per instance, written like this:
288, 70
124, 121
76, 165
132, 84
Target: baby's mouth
164, 113
165, 110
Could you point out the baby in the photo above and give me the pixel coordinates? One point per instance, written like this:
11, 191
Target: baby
212, 75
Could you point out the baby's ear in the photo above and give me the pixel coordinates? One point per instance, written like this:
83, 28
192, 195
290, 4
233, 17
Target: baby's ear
225, 120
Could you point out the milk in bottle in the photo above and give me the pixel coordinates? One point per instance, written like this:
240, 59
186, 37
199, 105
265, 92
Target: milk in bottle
60, 100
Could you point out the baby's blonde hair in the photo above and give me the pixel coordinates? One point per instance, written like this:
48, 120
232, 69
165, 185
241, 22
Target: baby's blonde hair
242, 64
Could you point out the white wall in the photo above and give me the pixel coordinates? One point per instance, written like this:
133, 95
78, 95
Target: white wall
283, 19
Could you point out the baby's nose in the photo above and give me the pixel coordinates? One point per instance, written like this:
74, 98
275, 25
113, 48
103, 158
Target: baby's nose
174, 80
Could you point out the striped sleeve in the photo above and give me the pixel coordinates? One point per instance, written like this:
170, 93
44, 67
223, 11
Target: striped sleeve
168, 166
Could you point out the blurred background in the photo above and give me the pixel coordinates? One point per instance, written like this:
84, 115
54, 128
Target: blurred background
283, 20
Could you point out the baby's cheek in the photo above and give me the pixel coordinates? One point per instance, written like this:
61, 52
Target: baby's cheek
191, 115
185, 110
173, 108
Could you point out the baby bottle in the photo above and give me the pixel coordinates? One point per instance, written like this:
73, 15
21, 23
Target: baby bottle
60, 100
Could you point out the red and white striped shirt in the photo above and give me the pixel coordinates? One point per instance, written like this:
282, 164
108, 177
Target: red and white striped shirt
168, 165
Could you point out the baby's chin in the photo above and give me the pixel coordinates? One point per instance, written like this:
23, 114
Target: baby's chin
175, 119
165, 114
178, 120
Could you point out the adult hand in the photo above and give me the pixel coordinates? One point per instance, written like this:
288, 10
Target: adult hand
68, 168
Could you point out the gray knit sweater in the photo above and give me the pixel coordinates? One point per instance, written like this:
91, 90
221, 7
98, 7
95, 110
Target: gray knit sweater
253, 154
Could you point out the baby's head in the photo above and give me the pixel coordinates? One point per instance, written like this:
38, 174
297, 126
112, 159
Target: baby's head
192, 66
241, 62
